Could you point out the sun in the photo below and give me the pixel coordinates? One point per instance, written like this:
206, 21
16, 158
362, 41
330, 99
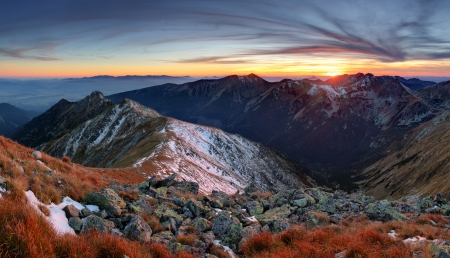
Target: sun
332, 73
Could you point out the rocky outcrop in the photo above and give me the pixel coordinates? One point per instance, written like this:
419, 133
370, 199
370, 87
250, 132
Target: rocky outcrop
192, 224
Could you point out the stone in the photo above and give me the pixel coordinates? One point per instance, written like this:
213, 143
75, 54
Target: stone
163, 237
93, 222
3, 182
138, 230
222, 224
440, 199
278, 213
202, 224
254, 208
37, 155
165, 213
85, 212
196, 207
186, 187
382, 211
108, 201
166, 181
76, 224
117, 222
71, 211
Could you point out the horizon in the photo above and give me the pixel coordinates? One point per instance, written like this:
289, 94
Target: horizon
73, 39
436, 79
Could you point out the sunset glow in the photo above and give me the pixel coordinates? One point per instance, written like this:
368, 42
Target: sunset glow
296, 38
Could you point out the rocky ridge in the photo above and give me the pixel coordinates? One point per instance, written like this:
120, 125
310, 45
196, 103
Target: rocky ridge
129, 134
184, 220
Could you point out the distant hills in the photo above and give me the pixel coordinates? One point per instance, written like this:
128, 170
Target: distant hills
11, 118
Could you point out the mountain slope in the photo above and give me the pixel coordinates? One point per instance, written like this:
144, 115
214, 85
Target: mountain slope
129, 134
54, 123
354, 116
11, 118
416, 165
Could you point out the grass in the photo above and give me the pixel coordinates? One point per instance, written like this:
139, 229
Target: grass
357, 237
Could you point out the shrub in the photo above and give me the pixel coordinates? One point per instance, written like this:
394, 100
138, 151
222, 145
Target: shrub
153, 222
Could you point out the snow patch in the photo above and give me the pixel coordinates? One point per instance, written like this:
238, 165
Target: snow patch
228, 249
57, 217
93, 208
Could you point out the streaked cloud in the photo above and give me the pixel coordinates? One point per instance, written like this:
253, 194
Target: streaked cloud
237, 35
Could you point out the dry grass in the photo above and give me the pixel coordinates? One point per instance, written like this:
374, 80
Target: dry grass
44, 209
153, 222
218, 251
188, 239
25, 233
264, 195
133, 195
358, 237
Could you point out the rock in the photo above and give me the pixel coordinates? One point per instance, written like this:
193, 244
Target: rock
278, 213
144, 186
165, 213
138, 230
315, 219
254, 208
186, 187
76, 224
108, 201
37, 155
166, 181
85, 212
382, 211
219, 194
222, 225
3, 182
196, 207
233, 236
117, 222
71, 211
215, 204
93, 222
307, 200
440, 199
117, 232
201, 224
163, 237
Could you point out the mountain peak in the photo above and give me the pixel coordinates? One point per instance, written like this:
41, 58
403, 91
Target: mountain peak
97, 94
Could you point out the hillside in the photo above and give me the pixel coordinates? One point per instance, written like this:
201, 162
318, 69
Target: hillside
416, 165
11, 118
131, 135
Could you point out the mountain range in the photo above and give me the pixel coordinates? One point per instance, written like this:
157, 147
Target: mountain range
95, 132
335, 127
341, 132
11, 118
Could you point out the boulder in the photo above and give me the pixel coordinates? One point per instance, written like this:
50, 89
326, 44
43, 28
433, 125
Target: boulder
278, 213
76, 224
165, 213
201, 224
222, 224
93, 222
138, 230
71, 211
108, 201
186, 187
166, 181
163, 237
254, 208
382, 211
37, 155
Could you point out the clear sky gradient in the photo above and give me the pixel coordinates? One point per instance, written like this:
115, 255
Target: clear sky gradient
76, 38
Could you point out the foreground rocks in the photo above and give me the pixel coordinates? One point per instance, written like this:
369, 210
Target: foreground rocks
172, 213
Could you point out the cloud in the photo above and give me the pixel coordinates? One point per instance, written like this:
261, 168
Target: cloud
231, 31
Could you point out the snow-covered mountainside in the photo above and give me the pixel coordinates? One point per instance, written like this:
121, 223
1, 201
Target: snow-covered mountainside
129, 134
60, 119
339, 125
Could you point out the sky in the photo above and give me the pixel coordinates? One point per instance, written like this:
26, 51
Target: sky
77, 38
